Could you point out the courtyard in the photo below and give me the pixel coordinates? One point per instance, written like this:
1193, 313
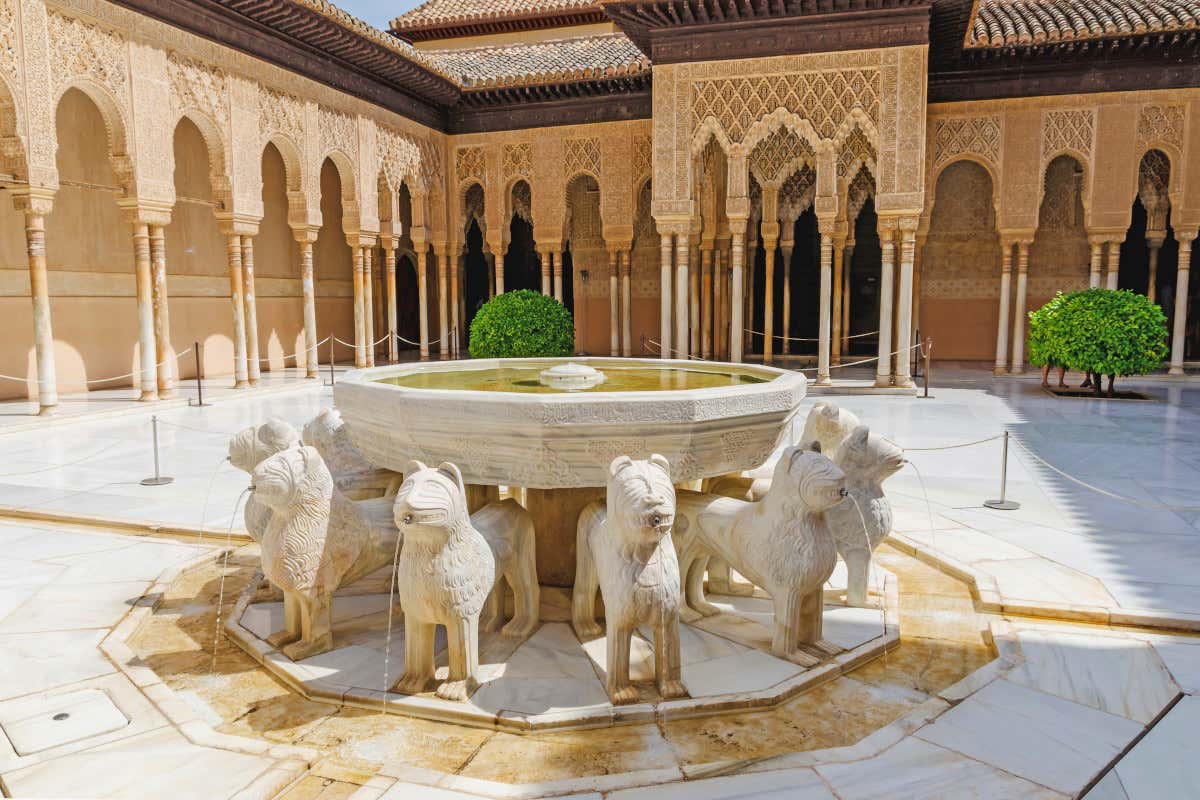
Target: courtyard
1041, 652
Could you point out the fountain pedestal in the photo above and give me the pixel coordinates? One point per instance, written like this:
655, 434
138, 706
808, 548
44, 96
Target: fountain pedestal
555, 514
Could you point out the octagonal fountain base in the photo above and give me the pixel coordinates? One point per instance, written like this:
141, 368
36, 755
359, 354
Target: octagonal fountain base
552, 680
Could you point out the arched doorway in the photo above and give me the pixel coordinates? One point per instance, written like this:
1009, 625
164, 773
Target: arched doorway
522, 267
277, 262
333, 266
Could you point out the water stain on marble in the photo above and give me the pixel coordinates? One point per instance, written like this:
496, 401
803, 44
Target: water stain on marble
510, 758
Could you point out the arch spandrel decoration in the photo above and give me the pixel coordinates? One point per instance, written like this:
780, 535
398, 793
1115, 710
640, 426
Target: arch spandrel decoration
778, 155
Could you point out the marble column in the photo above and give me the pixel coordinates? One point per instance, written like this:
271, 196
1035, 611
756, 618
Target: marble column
887, 266
497, 262
369, 301
443, 289
490, 260
785, 252
233, 252
456, 269
1154, 243
682, 277
1114, 264
626, 303
908, 244
825, 320
253, 363
848, 275
360, 323
1097, 264
694, 302
718, 304
737, 257
389, 272
1005, 292
706, 303
839, 252
547, 288
1179, 332
163, 353
308, 287
614, 301
1020, 313
769, 299
423, 297
39, 290
147, 377
556, 269
666, 240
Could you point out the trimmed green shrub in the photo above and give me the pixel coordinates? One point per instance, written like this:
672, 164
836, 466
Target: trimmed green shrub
1046, 335
522, 324
1107, 332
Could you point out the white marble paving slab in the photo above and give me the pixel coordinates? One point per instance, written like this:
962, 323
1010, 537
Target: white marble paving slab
59, 607
35, 662
848, 627
918, 769
1166, 763
1033, 735
139, 561
1116, 674
790, 784
1182, 657
1109, 788
39, 722
749, 671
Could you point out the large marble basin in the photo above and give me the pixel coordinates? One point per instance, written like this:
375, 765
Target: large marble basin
707, 418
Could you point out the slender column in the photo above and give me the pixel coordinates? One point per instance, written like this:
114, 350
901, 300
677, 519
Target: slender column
498, 268
39, 291
737, 257
614, 302
694, 304
389, 272
233, 252
916, 290
1151, 285
1096, 265
848, 275
706, 302
666, 239
145, 309
785, 251
491, 266
423, 298
360, 324
1114, 263
546, 258
308, 287
162, 320
557, 269
456, 262
908, 248
769, 301
883, 376
1179, 334
626, 304
248, 297
462, 303
1020, 316
681, 294
443, 285
824, 347
1005, 291
718, 305
839, 251
369, 301
751, 289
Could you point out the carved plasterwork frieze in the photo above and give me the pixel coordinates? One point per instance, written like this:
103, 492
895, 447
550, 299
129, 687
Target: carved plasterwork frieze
1161, 124
196, 86
468, 164
337, 131
643, 157
862, 188
518, 160
582, 155
82, 51
957, 136
778, 155
1068, 131
857, 151
399, 157
280, 112
10, 54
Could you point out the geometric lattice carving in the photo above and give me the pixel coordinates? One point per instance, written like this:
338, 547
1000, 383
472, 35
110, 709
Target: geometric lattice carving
468, 163
825, 98
862, 188
1062, 203
953, 136
582, 223
518, 160
778, 155
963, 204
856, 150
797, 193
581, 155
1159, 123
961, 251
1068, 130
643, 157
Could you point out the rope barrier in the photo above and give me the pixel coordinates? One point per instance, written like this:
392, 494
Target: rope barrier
105, 380
864, 361
946, 447
195, 430
672, 349
799, 339
297, 355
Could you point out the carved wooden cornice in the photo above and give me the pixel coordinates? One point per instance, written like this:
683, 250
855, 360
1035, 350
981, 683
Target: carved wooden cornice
509, 24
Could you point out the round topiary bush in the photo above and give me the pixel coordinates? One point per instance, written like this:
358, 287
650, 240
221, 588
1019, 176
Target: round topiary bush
1046, 338
522, 324
1107, 332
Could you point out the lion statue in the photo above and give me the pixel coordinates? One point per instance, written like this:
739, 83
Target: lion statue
828, 424
449, 567
352, 473
247, 449
298, 554
624, 547
867, 460
781, 543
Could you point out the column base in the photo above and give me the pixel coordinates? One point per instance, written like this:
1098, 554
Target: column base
48, 410
312, 376
883, 381
1000, 370
826, 381
1017, 371
148, 397
166, 394
905, 382
1176, 372
242, 384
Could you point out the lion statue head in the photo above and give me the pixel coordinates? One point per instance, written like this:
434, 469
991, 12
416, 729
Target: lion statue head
329, 434
870, 456
292, 480
431, 503
251, 446
641, 498
828, 424
804, 473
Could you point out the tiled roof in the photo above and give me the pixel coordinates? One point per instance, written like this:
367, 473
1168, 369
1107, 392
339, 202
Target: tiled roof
433, 13
560, 60
1026, 23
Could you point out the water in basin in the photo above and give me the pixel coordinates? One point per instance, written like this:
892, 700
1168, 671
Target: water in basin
523, 379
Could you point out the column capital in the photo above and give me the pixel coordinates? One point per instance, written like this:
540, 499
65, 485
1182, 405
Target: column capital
362, 239
145, 212
33, 200
617, 245
238, 225
306, 234
1185, 236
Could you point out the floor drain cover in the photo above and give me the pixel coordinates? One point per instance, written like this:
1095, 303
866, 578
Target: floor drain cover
38, 723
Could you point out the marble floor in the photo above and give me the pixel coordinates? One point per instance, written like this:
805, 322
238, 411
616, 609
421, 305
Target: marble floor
998, 689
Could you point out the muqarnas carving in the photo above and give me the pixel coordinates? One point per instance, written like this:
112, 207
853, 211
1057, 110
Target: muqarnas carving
863, 520
449, 566
624, 547
781, 543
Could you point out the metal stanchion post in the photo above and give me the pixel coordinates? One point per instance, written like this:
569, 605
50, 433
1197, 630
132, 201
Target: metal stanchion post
158, 479
199, 378
1003, 504
926, 354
